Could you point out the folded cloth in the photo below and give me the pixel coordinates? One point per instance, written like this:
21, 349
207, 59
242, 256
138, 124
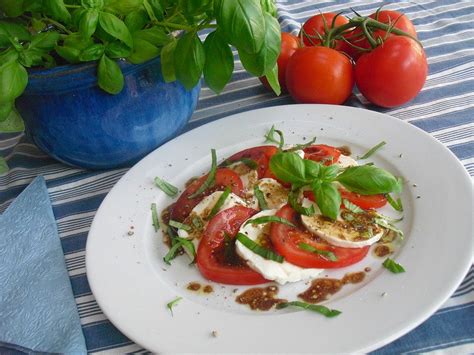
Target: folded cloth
37, 307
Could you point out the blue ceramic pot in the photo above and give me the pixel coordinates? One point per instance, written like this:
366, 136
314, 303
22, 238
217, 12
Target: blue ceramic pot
72, 120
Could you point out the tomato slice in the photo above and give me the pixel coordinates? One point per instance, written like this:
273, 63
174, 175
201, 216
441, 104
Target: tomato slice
365, 202
322, 152
261, 155
212, 260
286, 239
224, 177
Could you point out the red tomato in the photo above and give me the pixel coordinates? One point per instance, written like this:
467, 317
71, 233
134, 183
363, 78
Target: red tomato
289, 44
285, 240
401, 21
319, 75
322, 152
316, 26
393, 73
363, 201
224, 177
211, 256
261, 155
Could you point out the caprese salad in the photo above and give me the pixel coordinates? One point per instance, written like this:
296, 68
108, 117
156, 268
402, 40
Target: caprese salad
280, 213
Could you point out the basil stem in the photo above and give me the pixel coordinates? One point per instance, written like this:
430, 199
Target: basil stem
260, 198
325, 311
396, 205
259, 250
219, 202
154, 217
270, 137
372, 150
394, 267
250, 163
180, 225
267, 219
211, 178
166, 187
301, 146
173, 303
328, 254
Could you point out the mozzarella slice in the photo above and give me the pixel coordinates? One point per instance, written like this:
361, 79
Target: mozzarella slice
355, 230
346, 161
271, 270
275, 194
248, 176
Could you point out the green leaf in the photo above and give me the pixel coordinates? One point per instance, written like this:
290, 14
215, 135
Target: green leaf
288, 167
123, 7
352, 207
259, 250
262, 203
269, 219
269, 7
72, 47
155, 35
7, 56
57, 10
396, 205
167, 62
372, 150
368, 180
270, 137
69, 53
311, 307
154, 217
142, 51
173, 303
117, 49
12, 8
219, 202
242, 22
6, 108
166, 187
328, 173
92, 4
115, 27
45, 41
328, 199
393, 266
312, 168
194, 7
190, 61
326, 253
109, 75
10, 30
136, 20
91, 53
154, 9
88, 22
219, 63
264, 60
3, 165
13, 80
179, 225
272, 78
12, 124
211, 177
298, 207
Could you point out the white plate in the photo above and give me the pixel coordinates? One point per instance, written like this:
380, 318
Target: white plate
132, 284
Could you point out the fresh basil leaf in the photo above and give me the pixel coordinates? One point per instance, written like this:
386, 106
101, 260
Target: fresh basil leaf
109, 75
250, 163
72, 47
293, 201
122, 7
197, 223
328, 173
368, 180
136, 20
88, 22
259, 250
3, 166
269, 6
13, 123
166, 187
154, 217
115, 27
117, 49
142, 51
155, 35
272, 78
93, 52
262, 203
13, 80
311, 307
328, 199
8, 56
211, 177
11, 8
270, 137
301, 146
312, 168
44, 41
288, 167
383, 222
70, 54
189, 63
219, 63
265, 59
196, 7
10, 30
179, 225
393, 266
242, 22
372, 150
219, 202
396, 205
326, 253
6, 108
352, 207
92, 4
154, 9
57, 10
167, 62
173, 303
269, 219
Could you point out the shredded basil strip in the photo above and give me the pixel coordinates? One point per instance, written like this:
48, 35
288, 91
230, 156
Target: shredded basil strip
252, 164
154, 217
219, 202
211, 178
301, 146
259, 250
352, 207
325, 311
166, 187
260, 198
307, 211
176, 245
396, 205
386, 224
372, 150
393, 266
267, 219
173, 303
270, 137
328, 254
197, 222
180, 225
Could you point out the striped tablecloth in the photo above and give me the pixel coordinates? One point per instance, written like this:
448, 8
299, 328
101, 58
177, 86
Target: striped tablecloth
445, 109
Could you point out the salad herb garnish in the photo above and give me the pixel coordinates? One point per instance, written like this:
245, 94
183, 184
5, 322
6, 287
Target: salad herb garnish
270, 137
267, 219
352, 207
166, 187
259, 250
301, 146
372, 150
176, 244
293, 201
197, 223
180, 225
325, 311
219, 202
211, 178
173, 303
383, 222
328, 254
252, 164
154, 217
396, 205
393, 266
262, 203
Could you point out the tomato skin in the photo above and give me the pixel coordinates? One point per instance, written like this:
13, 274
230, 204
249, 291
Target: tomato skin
393, 73
224, 177
315, 25
211, 249
285, 240
289, 44
320, 152
319, 75
365, 202
261, 155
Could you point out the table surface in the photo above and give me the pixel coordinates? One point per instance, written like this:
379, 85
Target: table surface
444, 108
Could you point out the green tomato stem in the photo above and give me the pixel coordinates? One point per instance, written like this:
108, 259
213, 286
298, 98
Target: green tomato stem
58, 25
370, 39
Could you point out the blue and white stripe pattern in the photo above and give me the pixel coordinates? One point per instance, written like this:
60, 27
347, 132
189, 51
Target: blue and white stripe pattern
445, 109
